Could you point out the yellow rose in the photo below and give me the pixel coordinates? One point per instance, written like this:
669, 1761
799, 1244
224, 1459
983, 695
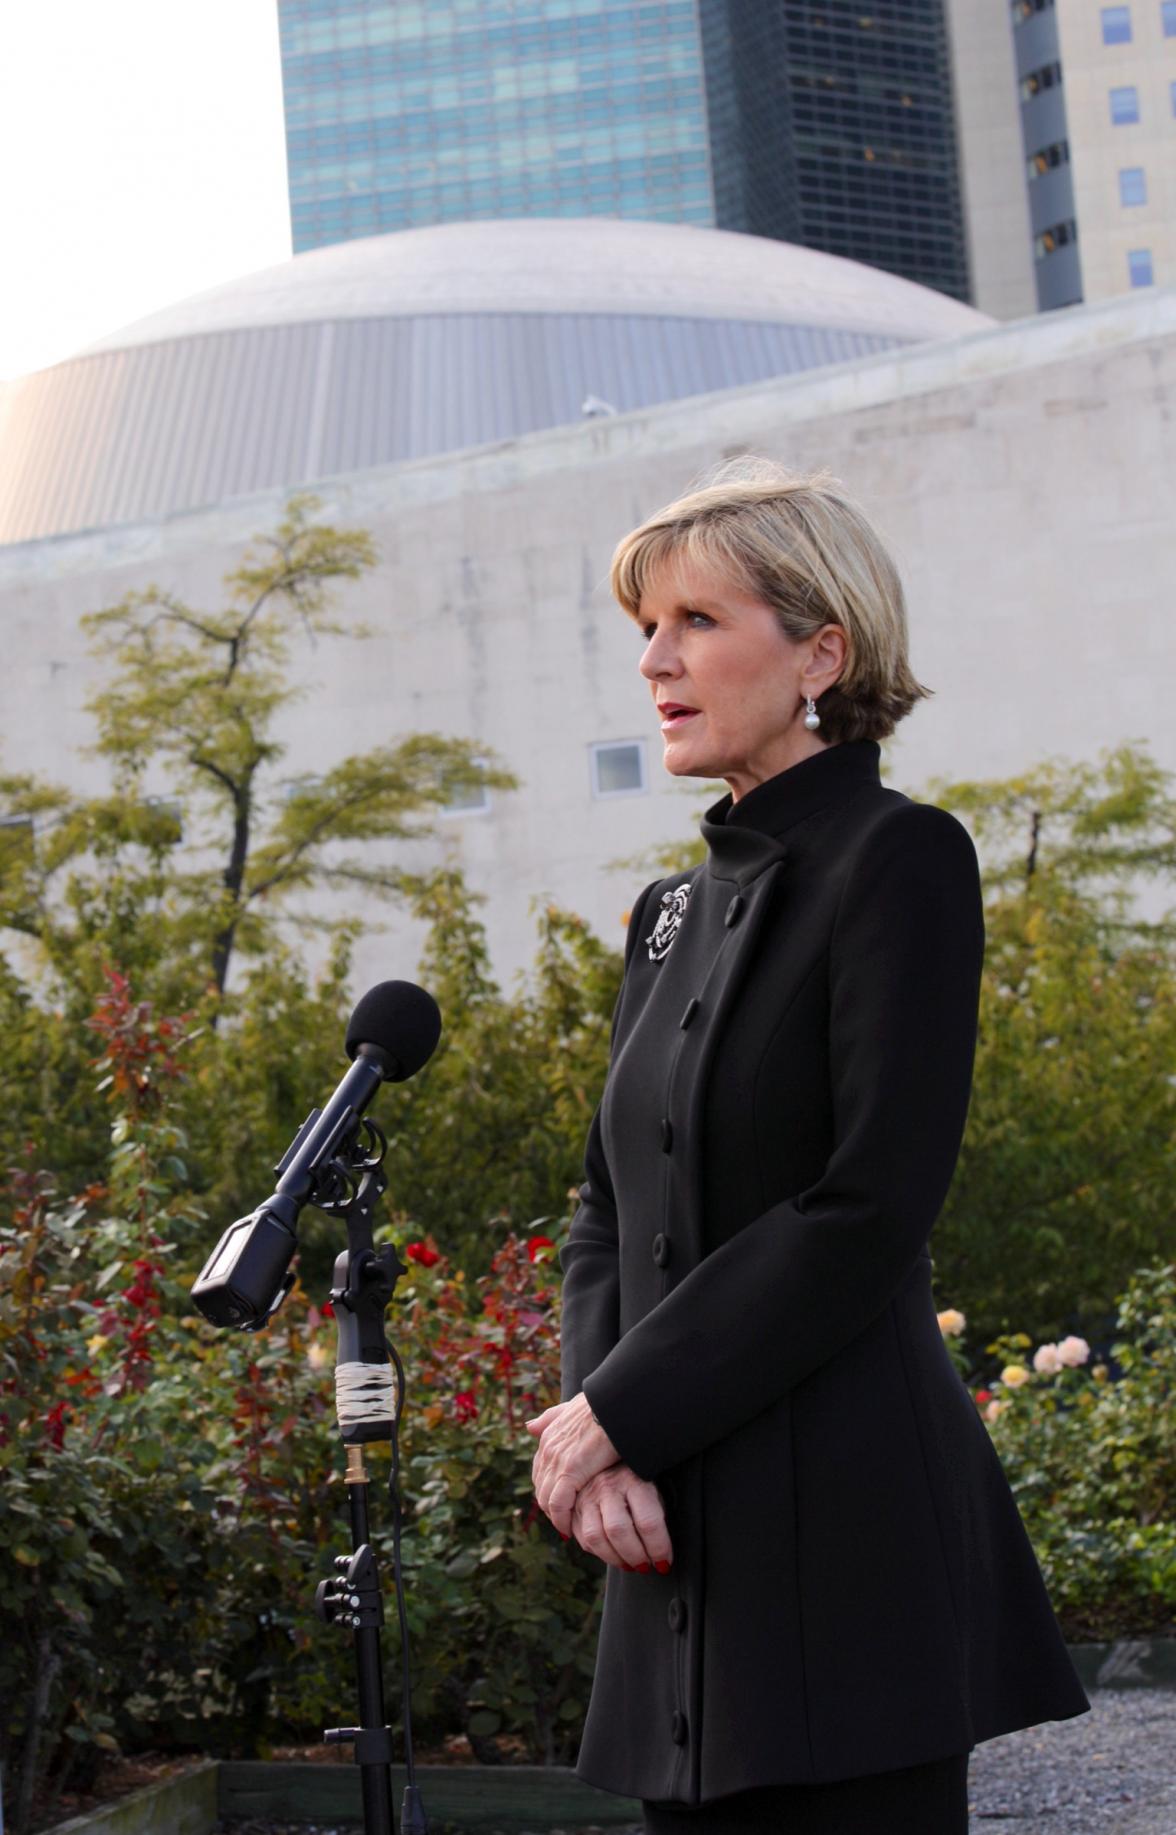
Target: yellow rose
96, 1343
1013, 1375
951, 1322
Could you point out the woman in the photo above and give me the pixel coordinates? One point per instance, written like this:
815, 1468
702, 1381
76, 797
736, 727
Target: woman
820, 1594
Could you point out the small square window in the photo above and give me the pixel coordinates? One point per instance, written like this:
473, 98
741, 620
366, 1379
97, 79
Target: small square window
16, 841
166, 817
467, 799
618, 769
1139, 267
1168, 17
1132, 185
295, 787
1116, 25
1124, 105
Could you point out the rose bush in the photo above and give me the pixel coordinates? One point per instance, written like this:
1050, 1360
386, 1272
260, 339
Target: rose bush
1089, 1446
171, 1494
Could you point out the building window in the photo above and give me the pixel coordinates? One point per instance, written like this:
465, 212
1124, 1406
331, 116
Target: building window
167, 818
1047, 157
1048, 77
618, 769
1057, 236
1132, 185
295, 787
1168, 16
1124, 105
1025, 9
16, 841
1139, 267
467, 799
1116, 25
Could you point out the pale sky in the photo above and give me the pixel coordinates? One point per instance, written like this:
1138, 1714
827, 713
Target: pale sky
142, 158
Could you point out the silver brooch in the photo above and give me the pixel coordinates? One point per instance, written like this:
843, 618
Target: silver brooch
669, 922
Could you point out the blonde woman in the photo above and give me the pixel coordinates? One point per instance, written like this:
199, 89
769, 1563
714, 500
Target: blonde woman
820, 1594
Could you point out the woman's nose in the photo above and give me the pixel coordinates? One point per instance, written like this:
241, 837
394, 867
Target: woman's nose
658, 658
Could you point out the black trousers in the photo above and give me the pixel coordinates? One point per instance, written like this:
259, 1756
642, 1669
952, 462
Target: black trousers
920, 1800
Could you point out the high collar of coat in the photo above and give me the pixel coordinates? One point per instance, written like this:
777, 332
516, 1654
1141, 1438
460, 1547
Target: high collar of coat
744, 838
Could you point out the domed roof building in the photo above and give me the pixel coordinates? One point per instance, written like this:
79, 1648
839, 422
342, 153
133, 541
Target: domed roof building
403, 346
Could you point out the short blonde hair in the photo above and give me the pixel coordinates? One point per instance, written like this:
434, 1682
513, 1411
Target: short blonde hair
800, 544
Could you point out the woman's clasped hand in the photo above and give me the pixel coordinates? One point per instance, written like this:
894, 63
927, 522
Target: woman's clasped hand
581, 1484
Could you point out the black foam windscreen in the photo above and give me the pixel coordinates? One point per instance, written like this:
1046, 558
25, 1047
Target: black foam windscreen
402, 1020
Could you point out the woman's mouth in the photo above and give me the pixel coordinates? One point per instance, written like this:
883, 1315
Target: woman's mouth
674, 715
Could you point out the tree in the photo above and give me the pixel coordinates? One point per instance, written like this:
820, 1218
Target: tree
494, 1125
173, 888
1065, 1179
198, 694
193, 699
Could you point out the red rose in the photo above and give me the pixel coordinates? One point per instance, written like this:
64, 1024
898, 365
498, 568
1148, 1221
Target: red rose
465, 1406
984, 1395
536, 1243
421, 1252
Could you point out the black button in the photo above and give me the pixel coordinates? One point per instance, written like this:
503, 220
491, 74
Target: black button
661, 1250
734, 911
667, 1134
679, 1731
677, 1615
691, 1010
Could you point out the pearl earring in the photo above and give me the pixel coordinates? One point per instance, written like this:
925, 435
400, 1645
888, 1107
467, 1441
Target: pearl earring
812, 718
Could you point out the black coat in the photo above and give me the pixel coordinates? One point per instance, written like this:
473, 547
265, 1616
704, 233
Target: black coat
748, 1308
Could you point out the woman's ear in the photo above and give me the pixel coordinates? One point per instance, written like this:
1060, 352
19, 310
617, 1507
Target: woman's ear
827, 660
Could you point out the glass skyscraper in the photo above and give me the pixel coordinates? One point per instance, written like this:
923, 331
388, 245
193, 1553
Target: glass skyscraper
811, 121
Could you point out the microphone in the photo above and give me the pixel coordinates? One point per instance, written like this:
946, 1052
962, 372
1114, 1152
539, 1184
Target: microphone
392, 1032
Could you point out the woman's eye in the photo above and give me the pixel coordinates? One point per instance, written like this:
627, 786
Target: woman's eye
647, 631
702, 616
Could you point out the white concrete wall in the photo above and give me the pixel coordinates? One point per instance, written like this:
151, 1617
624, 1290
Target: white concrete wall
1022, 475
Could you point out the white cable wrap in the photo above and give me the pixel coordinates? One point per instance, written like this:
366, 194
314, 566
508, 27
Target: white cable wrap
364, 1393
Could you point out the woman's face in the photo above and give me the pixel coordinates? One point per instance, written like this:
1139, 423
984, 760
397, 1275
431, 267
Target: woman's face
728, 684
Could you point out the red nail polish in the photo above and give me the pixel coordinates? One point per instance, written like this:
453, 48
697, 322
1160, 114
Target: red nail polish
562, 1536
663, 1567
643, 1568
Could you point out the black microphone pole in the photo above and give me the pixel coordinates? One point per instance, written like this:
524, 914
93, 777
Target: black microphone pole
335, 1162
369, 1397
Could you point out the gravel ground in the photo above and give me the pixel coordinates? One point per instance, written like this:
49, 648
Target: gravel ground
1109, 1772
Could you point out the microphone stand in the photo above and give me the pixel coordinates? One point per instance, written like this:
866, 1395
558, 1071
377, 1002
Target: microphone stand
364, 1283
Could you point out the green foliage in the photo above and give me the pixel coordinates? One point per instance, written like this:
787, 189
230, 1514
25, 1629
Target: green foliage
1065, 1176
1090, 1452
494, 1126
504, 1618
